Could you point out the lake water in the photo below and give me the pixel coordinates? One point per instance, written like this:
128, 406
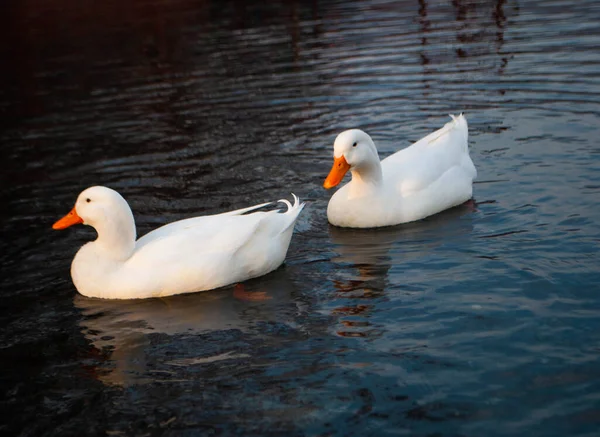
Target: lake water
480, 321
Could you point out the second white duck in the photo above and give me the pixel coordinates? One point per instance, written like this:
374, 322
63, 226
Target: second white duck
431, 175
190, 255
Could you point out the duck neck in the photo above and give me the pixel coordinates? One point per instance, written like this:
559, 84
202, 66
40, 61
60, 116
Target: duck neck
116, 237
366, 179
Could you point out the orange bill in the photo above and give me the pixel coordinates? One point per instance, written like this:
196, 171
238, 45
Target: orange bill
339, 169
69, 220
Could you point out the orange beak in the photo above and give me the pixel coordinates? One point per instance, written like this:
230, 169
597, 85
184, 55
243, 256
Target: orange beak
338, 170
69, 220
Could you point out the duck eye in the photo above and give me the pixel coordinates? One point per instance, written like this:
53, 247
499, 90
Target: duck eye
354, 145
88, 200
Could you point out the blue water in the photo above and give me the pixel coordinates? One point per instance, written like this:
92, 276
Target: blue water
480, 321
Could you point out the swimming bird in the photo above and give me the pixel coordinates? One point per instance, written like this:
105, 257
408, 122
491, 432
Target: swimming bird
431, 175
195, 254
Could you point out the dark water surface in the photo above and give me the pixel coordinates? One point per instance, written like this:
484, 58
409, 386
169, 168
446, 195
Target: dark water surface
481, 321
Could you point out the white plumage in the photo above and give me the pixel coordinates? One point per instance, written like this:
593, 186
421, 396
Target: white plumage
431, 175
190, 255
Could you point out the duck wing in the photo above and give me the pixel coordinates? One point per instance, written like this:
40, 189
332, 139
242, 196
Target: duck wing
418, 166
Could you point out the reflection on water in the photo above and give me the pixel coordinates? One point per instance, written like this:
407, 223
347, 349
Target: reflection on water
373, 246
120, 330
475, 24
372, 252
483, 320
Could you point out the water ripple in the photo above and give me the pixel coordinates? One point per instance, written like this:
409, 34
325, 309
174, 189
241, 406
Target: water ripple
482, 320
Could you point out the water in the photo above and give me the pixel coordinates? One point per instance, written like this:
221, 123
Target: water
481, 321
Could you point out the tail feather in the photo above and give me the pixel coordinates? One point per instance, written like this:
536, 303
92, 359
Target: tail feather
289, 205
248, 209
294, 209
287, 202
458, 122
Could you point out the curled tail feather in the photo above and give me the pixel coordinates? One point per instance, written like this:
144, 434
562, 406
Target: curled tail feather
289, 205
294, 208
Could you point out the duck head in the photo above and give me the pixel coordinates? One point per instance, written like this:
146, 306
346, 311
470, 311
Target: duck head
109, 214
353, 150
94, 206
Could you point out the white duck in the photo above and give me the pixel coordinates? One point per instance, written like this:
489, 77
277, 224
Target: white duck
195, 254
431, 175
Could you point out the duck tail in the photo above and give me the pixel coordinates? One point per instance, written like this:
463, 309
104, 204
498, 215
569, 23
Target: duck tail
293, 210
291, 206
460, 122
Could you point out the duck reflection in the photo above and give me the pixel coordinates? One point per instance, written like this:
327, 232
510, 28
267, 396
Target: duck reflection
119, 330
372, 252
